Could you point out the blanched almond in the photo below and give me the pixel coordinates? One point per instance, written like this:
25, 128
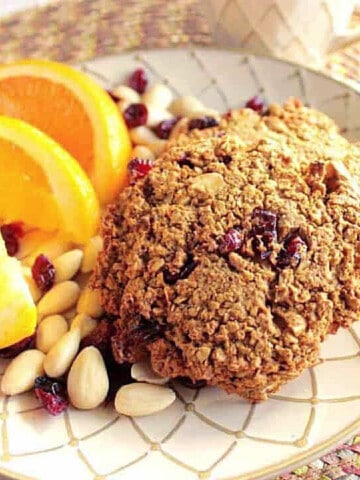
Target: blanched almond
91, 252
158, 95
89, 303
61, 355
140, 151
142, 135
142, 372
139, 399
156, 115
60, 298
123, 92
49, 332
85, 323
157, 147
67, 265
88, 382
21, 372
185, 105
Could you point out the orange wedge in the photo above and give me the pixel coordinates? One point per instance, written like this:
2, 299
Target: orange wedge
75, 111
42, 185
18, 313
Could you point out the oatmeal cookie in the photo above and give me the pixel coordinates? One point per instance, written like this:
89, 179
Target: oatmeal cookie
232, 259
313, 134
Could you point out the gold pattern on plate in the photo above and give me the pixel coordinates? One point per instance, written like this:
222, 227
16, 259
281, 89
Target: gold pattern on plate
189, 404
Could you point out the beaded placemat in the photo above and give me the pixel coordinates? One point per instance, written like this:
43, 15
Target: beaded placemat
78, 30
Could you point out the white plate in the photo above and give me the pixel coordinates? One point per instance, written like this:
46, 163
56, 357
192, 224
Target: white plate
205, 434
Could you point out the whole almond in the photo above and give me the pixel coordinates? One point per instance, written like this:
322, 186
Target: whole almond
21, 372
156, 115
157, 147
123, 92
60, 298
67, 265
158, 95
142, 135
91, 252
89, 303
185, 105
49, 332
61, 355
140, 151
70, 314
85, 323
88, 381
142, 372
138, 399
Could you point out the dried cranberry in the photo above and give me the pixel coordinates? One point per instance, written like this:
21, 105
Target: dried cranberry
255, 103
139, 168
263, 232
11, 233
51, 394
185, 271
113, 97
231, 241
146, 331
225, 159
119, 375
185, 160
18, 347
202, 123
164, 128
136, 115
138, 80
290, 254
43, 273
188, 383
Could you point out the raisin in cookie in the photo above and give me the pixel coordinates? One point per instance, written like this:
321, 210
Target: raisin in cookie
230, 260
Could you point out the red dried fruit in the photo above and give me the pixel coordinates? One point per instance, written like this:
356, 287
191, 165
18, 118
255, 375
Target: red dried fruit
138, 80
146, 331
139, 168
202, 123
263, 232
18, 347
119, 375
185, 271
43, 273
255, 103
51, 394
135, 115
293, 248
231, 241
11, 233
164, 128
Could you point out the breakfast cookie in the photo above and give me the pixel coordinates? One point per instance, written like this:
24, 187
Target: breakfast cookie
230, 259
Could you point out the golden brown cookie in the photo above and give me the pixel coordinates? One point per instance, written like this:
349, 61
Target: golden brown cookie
232, 258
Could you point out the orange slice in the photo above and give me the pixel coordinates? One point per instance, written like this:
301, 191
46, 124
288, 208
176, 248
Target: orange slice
18, 313
42, 185
75, 111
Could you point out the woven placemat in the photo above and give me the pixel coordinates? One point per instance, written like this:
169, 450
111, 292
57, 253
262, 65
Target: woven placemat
78, 30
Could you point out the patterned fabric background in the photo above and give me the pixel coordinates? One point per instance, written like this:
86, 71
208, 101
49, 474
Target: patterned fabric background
57, 32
